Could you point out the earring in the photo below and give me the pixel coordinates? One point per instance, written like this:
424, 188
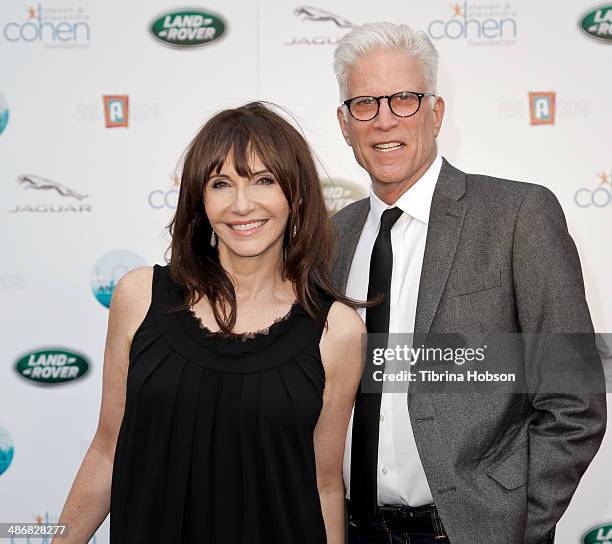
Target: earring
213, 239
294, 232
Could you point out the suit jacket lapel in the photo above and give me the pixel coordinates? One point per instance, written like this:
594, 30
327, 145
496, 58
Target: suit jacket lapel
347, 239
443, 232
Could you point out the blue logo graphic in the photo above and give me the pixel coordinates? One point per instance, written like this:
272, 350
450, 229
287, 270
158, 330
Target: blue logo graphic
109, 269
4, 113
6, 449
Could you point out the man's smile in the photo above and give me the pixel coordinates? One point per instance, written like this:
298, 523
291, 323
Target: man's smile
387, 147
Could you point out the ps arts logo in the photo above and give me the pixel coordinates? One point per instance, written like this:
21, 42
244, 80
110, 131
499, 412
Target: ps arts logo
50, 366
188, 27
116, 110
542, 108
545, 108
597, 23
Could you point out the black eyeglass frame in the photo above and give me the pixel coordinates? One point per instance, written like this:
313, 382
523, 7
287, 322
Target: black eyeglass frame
420, 96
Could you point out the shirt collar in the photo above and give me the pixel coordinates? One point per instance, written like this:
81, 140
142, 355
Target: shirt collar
416, 201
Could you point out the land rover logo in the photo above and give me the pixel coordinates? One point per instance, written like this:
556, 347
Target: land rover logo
188, 27
339, 193
598, 535
52, 366
597, 23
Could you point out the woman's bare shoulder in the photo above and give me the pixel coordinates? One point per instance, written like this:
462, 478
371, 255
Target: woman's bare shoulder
344, 322
341, 342
132, 298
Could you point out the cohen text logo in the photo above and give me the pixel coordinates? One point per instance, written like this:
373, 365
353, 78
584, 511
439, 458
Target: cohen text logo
55, 27
600, 196
477, 23
165, 198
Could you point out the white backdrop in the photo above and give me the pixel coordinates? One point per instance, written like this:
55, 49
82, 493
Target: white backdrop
58, 60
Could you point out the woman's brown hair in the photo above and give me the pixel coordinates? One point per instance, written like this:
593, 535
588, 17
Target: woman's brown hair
252, 129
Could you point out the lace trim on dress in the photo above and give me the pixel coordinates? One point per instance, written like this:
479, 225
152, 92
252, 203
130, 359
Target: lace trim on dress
243, 336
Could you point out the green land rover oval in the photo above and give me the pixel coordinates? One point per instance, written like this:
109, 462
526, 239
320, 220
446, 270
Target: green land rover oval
50, 366
188, 27
597, 23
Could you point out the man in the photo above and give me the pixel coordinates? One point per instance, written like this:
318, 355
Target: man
455, 253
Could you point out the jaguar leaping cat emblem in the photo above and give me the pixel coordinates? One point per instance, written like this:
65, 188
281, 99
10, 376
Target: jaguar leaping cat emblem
38, 182
317, 14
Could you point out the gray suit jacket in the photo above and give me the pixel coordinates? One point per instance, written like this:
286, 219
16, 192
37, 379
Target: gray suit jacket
498, 259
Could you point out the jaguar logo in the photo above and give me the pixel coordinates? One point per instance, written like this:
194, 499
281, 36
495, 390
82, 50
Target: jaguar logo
38, 182
310, 13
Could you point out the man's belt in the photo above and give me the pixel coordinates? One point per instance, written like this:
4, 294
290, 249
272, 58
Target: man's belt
410, 519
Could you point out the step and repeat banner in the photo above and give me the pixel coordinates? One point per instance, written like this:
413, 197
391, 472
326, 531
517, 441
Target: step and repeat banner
98, 101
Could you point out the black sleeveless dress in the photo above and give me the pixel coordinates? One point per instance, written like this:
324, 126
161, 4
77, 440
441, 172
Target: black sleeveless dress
216, 442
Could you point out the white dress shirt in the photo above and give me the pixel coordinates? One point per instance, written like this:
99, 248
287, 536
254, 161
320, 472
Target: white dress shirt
401, 478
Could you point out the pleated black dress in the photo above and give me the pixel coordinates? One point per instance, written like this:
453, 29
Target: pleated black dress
216, 443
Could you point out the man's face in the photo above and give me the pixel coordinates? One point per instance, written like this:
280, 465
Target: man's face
395, 151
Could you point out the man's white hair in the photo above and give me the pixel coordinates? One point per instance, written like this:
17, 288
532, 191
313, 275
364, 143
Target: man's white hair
374, 36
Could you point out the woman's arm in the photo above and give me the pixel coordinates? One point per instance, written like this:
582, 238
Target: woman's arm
342, 357
88, 502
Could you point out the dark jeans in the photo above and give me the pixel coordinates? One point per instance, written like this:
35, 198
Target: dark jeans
374, 533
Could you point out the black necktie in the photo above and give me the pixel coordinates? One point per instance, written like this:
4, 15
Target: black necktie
364, 448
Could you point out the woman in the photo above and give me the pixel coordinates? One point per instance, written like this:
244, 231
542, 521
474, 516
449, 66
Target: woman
221, 421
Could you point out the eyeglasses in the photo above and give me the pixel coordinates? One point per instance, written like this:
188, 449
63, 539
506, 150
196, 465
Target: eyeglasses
402, 104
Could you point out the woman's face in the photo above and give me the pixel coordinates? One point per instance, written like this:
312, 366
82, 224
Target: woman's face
248, 215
